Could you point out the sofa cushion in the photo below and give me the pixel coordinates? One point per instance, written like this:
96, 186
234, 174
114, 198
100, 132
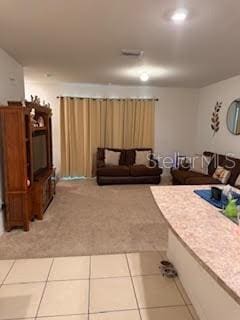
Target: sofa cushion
201, 180
183, 162
182, 175
142, 157
130, 157
113, 171
112, 157
101, 154
141, 171
200, 163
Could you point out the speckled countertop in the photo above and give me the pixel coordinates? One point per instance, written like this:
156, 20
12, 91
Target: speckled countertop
210, 237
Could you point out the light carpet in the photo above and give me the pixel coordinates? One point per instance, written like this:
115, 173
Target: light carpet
85, 219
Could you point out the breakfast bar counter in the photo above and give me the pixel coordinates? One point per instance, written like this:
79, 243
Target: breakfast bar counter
200, 234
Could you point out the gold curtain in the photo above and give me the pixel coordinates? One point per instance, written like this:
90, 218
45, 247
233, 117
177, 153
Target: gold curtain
87, 124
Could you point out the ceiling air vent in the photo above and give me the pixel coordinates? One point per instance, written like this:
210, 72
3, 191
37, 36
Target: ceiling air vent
132, 53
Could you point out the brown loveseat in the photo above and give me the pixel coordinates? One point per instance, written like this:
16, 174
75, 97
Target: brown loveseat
127, 172
188, 177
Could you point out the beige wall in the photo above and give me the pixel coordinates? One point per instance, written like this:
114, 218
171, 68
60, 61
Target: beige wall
175, 111
11, 88
11, 79
223, 141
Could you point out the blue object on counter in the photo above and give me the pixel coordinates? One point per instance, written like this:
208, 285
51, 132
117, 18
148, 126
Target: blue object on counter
207, 195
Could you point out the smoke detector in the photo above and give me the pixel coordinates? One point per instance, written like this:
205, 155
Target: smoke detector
132, 53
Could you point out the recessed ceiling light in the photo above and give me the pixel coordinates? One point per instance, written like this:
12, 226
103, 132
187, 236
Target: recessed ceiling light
144, 77
179, 15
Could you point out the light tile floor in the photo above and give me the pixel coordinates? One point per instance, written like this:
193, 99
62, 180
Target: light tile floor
111, 287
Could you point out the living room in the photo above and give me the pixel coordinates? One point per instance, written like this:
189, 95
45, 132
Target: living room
100, 244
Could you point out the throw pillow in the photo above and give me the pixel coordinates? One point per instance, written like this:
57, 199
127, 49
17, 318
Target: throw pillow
112, 157
200, 164
222, 174
142, 158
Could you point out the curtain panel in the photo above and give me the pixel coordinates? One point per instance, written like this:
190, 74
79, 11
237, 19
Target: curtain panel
87, 124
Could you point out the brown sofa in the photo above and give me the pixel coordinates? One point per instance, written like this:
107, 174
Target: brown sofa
127, 172
188, 177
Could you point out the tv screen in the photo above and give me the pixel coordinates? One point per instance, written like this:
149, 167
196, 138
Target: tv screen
39, 153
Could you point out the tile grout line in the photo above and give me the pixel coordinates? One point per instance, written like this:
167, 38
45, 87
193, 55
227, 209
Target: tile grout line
80, 279
27, 318
49, 316
58, 315
133, 286
14, 261
182, 294
94, 313
89, 285
112, 311
179, 291
77, 279
186, 305
189, 310
165, 307
44, 289
20, 283
132, 309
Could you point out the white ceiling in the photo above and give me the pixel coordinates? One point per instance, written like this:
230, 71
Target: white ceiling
80, 40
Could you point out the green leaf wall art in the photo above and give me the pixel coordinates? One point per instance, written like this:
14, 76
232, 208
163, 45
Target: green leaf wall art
215, 122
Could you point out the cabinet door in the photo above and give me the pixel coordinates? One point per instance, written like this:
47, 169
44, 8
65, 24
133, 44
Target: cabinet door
15, 168
17, 211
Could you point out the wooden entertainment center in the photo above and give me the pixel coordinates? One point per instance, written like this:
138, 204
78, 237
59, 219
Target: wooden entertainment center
28, 173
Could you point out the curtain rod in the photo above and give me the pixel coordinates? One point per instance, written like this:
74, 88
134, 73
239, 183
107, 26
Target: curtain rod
155, 99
